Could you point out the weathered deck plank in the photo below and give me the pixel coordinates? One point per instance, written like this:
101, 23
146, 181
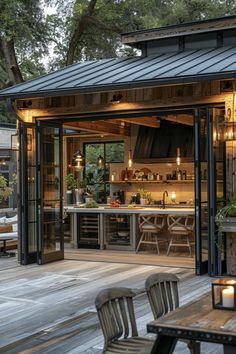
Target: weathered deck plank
50, 309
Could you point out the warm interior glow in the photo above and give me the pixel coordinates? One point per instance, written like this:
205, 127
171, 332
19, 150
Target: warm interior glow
130, 161
173, 197
178, 159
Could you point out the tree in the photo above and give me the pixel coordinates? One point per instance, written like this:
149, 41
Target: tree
83, 29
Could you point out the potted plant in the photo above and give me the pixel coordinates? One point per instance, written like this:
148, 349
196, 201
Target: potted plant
226, 216
72, 184
5, 190
145, 196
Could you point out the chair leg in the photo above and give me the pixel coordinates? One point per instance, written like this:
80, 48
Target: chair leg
194, 347
189, 246
140, 241
157, 244
170, 244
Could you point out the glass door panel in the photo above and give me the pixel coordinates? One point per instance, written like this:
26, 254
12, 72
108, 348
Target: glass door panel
28, 207
201, 191
50, 183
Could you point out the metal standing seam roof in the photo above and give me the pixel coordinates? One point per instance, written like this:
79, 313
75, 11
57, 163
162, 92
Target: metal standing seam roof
131, 72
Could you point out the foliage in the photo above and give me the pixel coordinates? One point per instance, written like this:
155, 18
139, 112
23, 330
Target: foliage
228, 210
34, 41
5, 190
145, 194
91, 204
71, 181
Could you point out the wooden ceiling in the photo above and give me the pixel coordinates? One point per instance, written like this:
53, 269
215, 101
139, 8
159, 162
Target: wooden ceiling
121, 127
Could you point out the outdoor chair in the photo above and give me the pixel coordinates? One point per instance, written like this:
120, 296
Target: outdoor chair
181, 229
151, 227
163, 296
117, 319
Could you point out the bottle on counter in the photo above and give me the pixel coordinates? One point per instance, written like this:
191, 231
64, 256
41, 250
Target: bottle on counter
179, 175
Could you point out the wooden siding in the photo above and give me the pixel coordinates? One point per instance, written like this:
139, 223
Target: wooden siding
207, 92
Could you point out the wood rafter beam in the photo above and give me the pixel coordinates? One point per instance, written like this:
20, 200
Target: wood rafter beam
102, 127
186, 119
152, 122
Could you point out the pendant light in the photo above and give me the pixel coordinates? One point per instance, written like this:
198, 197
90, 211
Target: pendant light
178, 158
78, 161
130, 161
100, 161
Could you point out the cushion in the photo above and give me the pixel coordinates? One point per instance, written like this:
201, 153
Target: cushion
10, 214
5, 228
11, 220
3, 220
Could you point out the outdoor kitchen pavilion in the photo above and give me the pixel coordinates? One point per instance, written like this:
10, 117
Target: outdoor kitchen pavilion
187, 69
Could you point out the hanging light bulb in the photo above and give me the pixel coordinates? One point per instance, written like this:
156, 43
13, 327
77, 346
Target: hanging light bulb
178, 159
130, 161
100, 161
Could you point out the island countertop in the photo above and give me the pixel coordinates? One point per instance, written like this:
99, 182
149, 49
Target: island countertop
180, 210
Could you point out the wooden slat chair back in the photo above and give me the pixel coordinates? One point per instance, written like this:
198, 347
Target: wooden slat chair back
150, 227
162, 292
163, 296
181, 229
117, 319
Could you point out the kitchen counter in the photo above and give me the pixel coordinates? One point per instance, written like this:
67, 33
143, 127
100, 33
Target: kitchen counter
109, 220
180, 210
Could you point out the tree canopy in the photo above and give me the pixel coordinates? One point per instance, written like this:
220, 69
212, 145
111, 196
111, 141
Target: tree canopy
37, 36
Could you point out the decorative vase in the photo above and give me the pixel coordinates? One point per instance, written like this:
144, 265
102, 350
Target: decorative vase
143, 201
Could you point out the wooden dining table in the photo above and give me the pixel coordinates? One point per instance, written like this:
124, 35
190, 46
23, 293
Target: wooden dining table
195, 321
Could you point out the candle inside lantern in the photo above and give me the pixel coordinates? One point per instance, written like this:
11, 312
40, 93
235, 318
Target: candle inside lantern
228, 297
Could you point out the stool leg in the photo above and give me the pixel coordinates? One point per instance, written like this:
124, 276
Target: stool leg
140, 241
170, 245
157, 244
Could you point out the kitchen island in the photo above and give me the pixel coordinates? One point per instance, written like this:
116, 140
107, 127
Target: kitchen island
106, 227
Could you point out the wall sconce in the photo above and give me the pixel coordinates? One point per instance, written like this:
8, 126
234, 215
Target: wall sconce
226, 128
100, 161
4, 160
178, 158
116, 98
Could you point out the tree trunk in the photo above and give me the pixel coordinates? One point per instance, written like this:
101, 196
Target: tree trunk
10, 61
79, 30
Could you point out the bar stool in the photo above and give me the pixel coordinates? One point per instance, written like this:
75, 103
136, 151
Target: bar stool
150, 227
181, 229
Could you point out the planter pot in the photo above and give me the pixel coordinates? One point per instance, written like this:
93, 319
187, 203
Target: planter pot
143, 201
69, 197
229, 224
78, 196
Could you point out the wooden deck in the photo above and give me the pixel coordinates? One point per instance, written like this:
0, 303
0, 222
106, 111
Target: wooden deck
50, 309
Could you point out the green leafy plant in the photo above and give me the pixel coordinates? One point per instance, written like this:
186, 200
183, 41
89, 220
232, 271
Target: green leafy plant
229, 210
71, 181
145, 194
5, 190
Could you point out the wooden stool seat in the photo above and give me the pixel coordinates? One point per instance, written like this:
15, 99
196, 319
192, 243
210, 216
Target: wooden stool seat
181, 229
151, 227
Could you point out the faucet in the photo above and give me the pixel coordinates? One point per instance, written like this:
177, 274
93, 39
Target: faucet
165, 193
